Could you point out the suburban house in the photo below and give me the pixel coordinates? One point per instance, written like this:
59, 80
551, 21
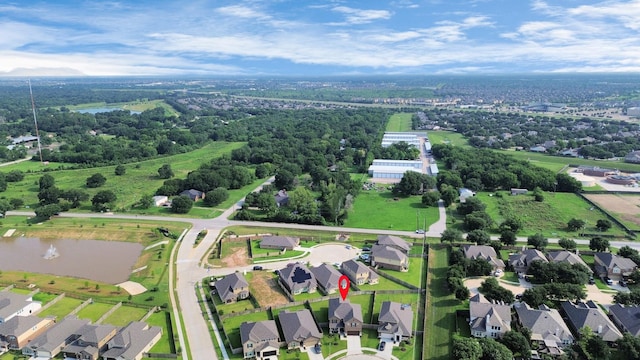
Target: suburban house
279, 242
394, 242
548, 329
395, 321
465, 193
90, 341
327, 278
626, 317
260, 339
345, 317
387, 257
296, 279
132, 341
483, 252
299, 328
20, 330
613, 266
589, 314
358, 272
193, 194
488, 319
12, 304
520, 262
282, 198
51, 342
567, 256
232, 288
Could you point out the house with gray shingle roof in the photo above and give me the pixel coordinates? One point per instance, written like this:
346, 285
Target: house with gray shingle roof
567, 256
296, 279
50, 343
395, 321
589, 314
20, 330
483, 252
193, 194
299, 328
12, 304
327, 278
626, 317
90, 341
548, 329
394, 242
232, 288
260, 339
521, 262
613, 266
345, 317
488, 319
387, 257
359, 273
132, 341
279, 242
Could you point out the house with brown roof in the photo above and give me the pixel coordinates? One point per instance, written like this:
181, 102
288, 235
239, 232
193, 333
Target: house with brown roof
132, 341
387, 257
327, 278
232, 288
299, 328
483, 252
279, 242
20, 330
359, 273
613, 266
394, 242
90, 341
260, 340
344, 317
297, 278
487, 318
395, 321
588, 314
521, 262
51, 342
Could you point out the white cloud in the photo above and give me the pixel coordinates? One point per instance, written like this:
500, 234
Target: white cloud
359, 16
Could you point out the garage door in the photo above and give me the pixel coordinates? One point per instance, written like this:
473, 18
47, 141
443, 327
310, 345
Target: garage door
269, 353
353, 333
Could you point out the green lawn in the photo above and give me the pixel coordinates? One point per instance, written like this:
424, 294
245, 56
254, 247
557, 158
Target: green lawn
381, 210
125, 314
411, 299
94, 311
331, 343
399, 122
62, 308
413, 275
164, 344
383, 284
555, 163
446, 137
237, 306
44, 297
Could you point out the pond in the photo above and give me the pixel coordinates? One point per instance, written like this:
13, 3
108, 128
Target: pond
105, 261
101, 110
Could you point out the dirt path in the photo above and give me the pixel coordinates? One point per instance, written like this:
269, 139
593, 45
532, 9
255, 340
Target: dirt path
266, 291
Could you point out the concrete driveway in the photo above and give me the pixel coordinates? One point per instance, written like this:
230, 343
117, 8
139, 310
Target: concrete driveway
313, 355
353, 345
386, 353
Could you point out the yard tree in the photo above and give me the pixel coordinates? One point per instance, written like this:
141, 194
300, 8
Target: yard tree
16, 203
451, 235
266, 202
450, 178
47, 211
120, 170
567, 183
146, 201
14, 176
492, 290
302, 201
575, 224
96, 180
471, 205
493, 350
284, 179
410, 184
102, 200
5, 206
538, 194
430, 198
477, 220
263, 170
603, 224
512, 223
466, 349
535, 296
599, 244
558, 272
216, 196
165, 172
49, 195
508, 237
627, 298
629, 345
517, 343
479, 267
480, 237
448, 195
74, 196
593, 345
630, 253
538, 241
181, 204
567, 244
46, 181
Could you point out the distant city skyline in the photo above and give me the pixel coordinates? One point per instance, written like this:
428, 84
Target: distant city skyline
316, 38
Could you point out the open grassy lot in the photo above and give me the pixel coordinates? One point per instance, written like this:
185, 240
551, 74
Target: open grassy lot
399, 122
555, 163
413, 275
549, 217
62, 308
382, 210
125, 314
94, 311
446, 137
141, 178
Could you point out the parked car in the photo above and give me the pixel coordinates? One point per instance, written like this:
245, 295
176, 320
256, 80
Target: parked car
366, 248
420, 231
382, 344
592, 281
348, 247
257, 267
318, 348
622, 283
608, 281
497, 273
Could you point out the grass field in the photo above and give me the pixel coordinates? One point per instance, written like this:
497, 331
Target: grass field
446, 137
131, 105
555, 163
125, 314
62, 308
164, 344
381, 210
549, 217
94, 311
399, 122
141, 178
413, 275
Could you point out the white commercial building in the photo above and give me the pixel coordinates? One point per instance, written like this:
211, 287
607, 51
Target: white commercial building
390, 138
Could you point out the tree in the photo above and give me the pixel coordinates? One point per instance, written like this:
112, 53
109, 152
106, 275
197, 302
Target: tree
120, 170
146, 201
102, 200
46, 181
480, 237
284, 179
603, 225
16, 203
538, 195
629, 345
492, 290
567, 244
477, 220
508, 237
74, 196
451, 235
471, 205
535, 296
165, 172
567, 183
430, 198
599, 244
479, 267
181, 204
512, 223
216, 196
538, 241
96, 180
47, 211
410, 184
593, 345
14, 176
49, 195
5, 206
575, 224
517, 343
493, 350
466, 349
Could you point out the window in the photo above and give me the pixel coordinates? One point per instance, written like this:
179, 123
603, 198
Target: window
249, 345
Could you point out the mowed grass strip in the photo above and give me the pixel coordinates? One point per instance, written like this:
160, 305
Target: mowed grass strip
399, 122
412, 276
124, 315
382, 210
94, 311
61, 308
163, 346
446, 137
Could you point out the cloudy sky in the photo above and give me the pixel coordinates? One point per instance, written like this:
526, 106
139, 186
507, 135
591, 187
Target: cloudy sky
314, 37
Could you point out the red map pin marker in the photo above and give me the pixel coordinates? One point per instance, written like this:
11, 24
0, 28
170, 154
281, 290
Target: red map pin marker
343, 285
